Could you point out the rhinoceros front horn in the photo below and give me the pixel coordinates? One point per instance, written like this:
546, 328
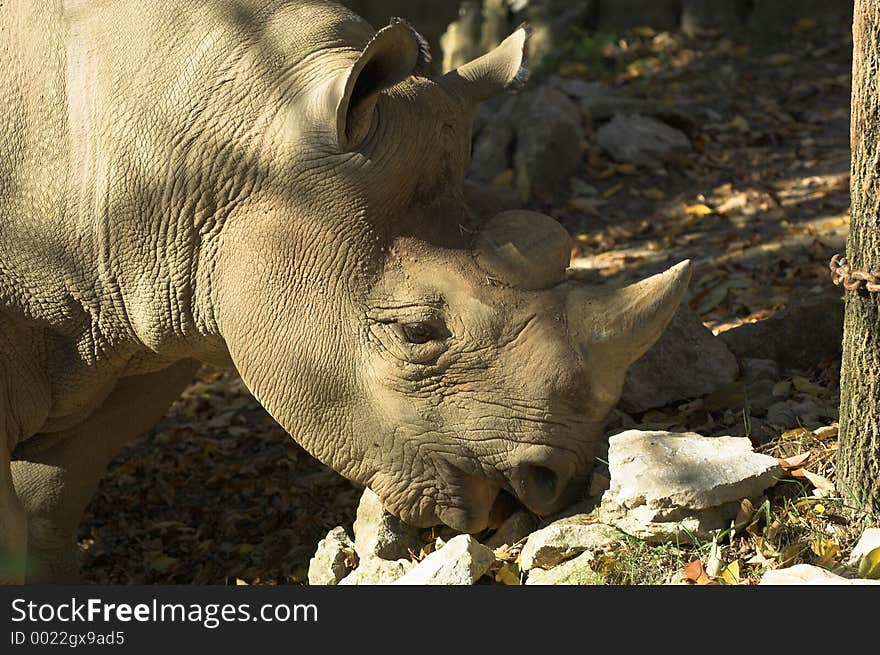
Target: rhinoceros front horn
622, 324
523, 249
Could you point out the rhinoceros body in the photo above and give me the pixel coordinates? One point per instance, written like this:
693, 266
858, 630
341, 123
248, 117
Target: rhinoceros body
274, 186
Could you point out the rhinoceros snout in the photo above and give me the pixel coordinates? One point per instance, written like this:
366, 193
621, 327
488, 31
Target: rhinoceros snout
542, 478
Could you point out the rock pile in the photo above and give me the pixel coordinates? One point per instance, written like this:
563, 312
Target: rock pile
664, 486
535, 141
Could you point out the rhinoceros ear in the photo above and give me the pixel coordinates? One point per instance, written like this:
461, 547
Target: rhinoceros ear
502, 69
392, 55
622, 324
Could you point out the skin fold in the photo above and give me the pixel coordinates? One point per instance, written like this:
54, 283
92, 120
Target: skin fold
274, 186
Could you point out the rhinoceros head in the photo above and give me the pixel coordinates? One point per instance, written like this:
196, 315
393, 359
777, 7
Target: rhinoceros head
436, 356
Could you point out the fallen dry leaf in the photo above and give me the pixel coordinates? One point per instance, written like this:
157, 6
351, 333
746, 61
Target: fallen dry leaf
795, 461
694, 570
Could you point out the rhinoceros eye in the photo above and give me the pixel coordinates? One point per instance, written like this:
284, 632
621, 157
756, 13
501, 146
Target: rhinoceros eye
420, 332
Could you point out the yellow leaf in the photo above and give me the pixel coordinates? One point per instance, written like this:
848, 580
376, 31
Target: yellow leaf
737, 123
704, 580
699, 210
504, 178
797, 433
626, 169
730, 575
612, 190
803, 385
805, 24
826, 549
508, 574
869, 567
789, 556
645, 31
819, 508
573, 69
241, 583
781, 59
654, 194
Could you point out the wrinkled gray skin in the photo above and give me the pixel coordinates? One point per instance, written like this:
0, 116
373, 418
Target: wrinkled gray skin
271, 186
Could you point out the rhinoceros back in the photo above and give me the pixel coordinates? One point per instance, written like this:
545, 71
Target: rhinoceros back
122, 124
34, 160
129, 130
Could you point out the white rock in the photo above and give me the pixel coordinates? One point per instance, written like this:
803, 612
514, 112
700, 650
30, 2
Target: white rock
869, 540
377, 571
573, 572
380, 534
809, 575
334, 558
462, 561
563, 540
667, 486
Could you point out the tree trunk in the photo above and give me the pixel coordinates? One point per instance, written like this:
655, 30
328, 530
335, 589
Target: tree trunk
858, 458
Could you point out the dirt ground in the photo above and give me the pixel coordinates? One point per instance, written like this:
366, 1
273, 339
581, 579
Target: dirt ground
218, 492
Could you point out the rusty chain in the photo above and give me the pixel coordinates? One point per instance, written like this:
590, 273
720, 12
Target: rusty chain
842, 274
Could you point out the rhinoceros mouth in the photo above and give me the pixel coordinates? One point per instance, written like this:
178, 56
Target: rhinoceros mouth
470, 501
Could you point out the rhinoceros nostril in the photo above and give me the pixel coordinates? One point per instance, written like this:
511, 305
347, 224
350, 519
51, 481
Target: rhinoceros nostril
538, 487
542, 477
543, 481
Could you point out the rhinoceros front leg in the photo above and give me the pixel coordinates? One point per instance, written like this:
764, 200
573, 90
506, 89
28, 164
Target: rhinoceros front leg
13, 524
56, 483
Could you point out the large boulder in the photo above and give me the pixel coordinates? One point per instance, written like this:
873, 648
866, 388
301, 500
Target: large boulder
687, 362
600, 102
492, 151
549, 133
641, 140
798, 337
668, 486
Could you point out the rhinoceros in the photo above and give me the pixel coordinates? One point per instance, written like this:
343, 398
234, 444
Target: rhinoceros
273, 186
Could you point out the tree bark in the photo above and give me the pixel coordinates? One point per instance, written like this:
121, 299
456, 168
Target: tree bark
858, 458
